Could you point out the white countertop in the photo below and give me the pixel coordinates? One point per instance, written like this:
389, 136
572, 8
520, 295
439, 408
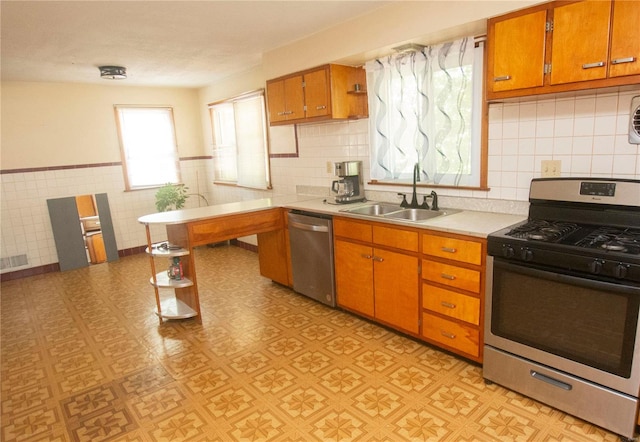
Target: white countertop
199, 213
465, 222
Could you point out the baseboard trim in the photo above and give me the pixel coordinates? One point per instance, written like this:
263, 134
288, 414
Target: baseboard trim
244, 245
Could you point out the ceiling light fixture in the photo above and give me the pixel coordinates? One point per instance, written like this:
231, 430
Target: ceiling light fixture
113, 72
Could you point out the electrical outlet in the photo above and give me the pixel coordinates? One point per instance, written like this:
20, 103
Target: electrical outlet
329, 167
551, 168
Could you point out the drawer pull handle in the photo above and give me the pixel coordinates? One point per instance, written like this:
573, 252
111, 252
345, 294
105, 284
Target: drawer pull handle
447, 334
449, 249
597, 64
502, 78
550, 380
623, 60
447, 304
377, 258
321, 107
449, 277
366, 256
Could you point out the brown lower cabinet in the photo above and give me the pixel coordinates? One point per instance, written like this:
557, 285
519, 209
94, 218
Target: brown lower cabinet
453, 269
427, 284
423, 283
274, 253
377, 272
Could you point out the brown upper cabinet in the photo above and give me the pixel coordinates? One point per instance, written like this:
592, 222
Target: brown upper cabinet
286, 99
625, 39
327, 92
563, 46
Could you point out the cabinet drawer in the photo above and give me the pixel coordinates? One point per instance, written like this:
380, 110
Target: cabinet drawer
234, 226
465, 279
452, 248
394, 237
352, 229
451, 334
453, 304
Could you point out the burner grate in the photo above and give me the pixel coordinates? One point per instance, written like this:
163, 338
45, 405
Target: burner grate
543, 230
613, 239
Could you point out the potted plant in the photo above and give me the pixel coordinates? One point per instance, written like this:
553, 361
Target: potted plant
170, 197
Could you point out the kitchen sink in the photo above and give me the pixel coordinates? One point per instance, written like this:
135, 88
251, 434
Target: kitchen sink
377, 209
390, 211
415, 214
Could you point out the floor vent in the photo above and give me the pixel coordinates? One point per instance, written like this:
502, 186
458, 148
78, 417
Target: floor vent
13, 261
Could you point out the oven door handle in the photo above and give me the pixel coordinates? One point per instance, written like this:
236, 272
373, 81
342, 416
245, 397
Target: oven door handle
550, 380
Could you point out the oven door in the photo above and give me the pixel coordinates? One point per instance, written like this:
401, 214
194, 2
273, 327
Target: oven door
584, 327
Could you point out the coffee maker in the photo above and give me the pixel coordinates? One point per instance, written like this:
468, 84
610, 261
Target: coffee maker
350, 187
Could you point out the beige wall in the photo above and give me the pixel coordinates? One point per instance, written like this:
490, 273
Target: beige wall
58, 124
238, 84
364, 38
375, 34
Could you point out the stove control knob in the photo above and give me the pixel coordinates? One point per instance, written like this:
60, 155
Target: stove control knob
508, 252
595, 266
620, 271
526, 255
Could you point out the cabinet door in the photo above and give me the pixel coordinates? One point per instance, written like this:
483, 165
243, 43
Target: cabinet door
316, 93
294, 98
517, 49
354, 277
580, 41
275, 101
272, 255
625, 37
396, 289
285, 99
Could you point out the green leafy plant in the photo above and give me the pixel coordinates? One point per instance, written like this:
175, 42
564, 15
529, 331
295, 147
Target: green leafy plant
170, 197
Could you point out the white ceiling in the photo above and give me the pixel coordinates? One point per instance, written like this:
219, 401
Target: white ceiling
161, 43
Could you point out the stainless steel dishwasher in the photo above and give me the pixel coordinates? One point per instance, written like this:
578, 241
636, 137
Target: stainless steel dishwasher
311, 239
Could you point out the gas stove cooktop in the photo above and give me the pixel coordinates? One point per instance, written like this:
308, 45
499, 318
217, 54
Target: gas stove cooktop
581, 225
615, 239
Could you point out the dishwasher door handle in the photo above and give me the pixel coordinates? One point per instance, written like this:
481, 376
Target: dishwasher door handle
310, 227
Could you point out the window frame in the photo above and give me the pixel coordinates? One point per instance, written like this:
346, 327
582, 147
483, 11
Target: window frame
123, 150
479, 153
258, 93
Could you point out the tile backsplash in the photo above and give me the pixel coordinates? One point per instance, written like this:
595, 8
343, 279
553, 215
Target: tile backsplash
586, 133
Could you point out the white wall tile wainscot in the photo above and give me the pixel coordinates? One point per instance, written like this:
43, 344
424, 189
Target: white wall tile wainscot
26, 226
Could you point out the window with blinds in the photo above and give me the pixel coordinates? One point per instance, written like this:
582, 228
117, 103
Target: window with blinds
148, 146
240, 148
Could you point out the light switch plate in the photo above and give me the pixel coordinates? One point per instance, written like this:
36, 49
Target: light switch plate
551, 168
329, 167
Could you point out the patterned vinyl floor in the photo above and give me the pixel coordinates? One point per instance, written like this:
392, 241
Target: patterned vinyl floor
85, 359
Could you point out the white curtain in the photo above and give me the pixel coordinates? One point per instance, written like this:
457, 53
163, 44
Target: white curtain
425, 108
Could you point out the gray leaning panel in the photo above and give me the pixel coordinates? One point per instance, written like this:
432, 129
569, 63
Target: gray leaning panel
67, 233
106, 226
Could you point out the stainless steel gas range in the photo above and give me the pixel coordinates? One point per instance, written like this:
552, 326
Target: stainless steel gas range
563, 300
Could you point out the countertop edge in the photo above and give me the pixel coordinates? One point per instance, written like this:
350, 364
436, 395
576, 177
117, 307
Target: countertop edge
466, 222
